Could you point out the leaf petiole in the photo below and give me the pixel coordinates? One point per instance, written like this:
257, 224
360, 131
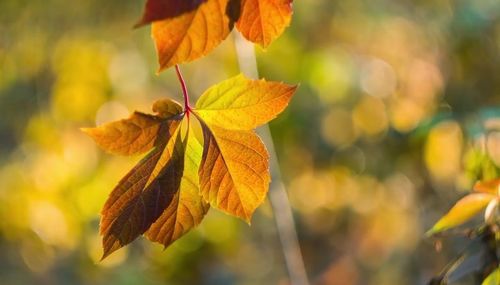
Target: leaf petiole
185, 94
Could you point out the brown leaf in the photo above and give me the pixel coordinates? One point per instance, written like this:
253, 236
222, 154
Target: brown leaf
142, 195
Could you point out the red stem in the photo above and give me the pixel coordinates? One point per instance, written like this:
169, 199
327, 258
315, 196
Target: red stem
187, 107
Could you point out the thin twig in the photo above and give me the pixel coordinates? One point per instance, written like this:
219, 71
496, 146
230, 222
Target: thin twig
277, 195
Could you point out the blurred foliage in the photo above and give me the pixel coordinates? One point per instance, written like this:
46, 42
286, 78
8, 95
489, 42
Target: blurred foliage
397, 111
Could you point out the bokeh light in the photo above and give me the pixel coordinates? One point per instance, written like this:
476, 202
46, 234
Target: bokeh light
395, 117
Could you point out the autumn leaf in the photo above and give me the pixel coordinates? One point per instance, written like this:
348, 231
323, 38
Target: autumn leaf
234, 176
187, 208
169, 192
166, 108
242, 104
491, 186
262, 21
191, 35
234, 173
462, 211
134, 135
186, 30
142, 195
138, 133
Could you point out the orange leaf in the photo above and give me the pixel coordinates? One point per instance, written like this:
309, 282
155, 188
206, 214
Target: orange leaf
134, 135
243, 104
462, 211
262, 21
234, 172
141, 196
192, 34
491, 186
138, 133
185, 30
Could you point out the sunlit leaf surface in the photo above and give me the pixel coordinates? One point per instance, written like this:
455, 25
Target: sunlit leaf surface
169, 192
191, 35
262, 21
187, 30
462, 211
242, 104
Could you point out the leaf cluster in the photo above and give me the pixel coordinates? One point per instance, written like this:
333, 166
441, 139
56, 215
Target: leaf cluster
171, 189
184, 30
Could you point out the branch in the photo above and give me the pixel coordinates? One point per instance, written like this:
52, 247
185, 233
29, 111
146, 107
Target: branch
283, 215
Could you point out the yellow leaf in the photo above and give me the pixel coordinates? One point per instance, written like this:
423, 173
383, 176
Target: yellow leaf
462, 211
134, 135
243, 104
192, 34
234, 172
262, 21
141, 196
187, 208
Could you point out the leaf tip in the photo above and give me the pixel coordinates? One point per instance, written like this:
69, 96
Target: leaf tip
263, 46
439, 226
159, 70
163, 65
139, 24
105, 254
246, 217
431, 232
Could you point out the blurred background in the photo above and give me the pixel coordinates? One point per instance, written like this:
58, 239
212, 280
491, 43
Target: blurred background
396, 116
